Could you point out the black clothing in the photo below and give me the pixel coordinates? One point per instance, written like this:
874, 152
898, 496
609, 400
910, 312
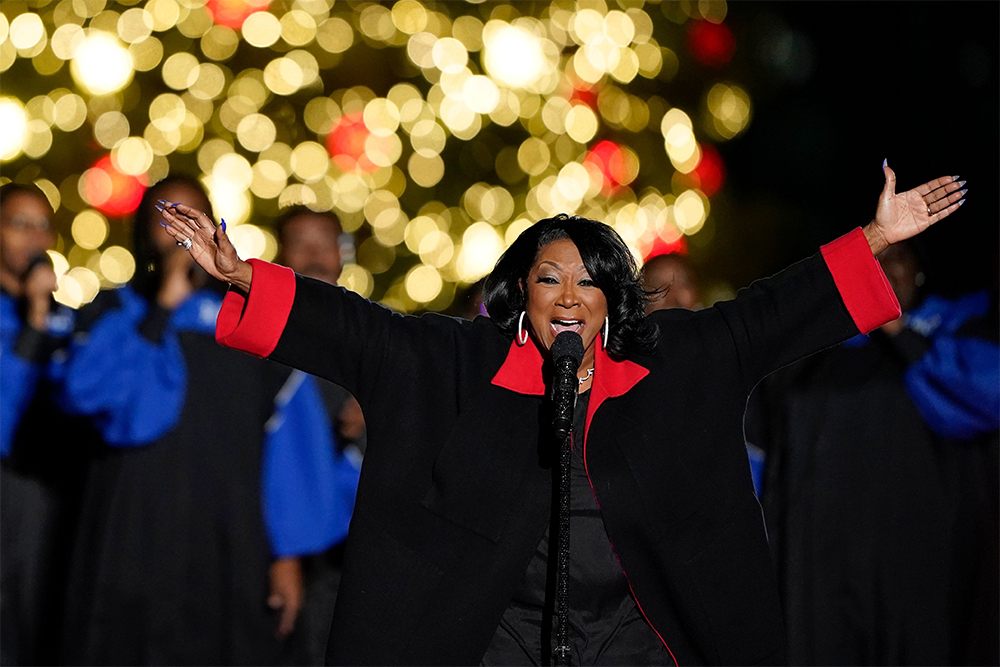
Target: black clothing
606, 628
172, 562
41, 483
321, 572
455, 496
884, 533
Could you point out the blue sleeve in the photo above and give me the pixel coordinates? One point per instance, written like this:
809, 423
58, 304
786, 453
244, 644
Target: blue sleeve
758, 459
133, 387
18, 382
956, 383
308, 489
956, 386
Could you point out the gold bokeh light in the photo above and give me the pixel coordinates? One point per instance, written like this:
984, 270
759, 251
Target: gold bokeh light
487, 126
101, 65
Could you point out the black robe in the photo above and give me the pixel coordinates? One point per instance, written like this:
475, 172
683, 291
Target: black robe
884, 533
172, 561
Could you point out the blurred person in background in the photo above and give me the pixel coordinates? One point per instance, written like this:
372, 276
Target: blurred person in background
880, 488
672, 281
40, 448
201, 502
310, 246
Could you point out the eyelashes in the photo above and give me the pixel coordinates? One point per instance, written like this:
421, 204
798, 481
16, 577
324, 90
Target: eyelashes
549, 280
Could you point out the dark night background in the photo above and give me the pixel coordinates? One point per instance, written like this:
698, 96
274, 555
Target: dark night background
837, 88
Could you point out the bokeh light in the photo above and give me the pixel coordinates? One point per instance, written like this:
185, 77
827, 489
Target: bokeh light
232, 13
101, 65
15, 123
476, 120
109, 190
710, 43
346, 143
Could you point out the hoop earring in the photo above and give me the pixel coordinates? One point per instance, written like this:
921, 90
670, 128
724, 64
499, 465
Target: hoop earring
522, 333
605, 333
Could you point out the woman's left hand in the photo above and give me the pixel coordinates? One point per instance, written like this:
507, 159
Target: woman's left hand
901, 216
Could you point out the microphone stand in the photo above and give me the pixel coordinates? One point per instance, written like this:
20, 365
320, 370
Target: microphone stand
567, 353
562, 649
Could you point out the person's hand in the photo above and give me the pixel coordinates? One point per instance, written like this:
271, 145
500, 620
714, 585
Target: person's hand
38, 286
287, 592
351, 419
210, 245
904, 215
175, 286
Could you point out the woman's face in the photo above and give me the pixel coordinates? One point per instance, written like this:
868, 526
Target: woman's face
25, 231
562, 297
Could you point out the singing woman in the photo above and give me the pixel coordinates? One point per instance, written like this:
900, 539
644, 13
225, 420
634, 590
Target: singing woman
446, 558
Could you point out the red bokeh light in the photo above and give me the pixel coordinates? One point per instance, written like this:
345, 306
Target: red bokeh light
710, 173
111, 192
346, 144
711, 44
232, 13
678, 246
587, 96
608, 158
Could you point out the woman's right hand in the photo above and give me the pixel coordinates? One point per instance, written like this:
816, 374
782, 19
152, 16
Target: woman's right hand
210, 245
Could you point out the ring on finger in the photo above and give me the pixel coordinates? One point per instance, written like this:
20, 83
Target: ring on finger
186, 243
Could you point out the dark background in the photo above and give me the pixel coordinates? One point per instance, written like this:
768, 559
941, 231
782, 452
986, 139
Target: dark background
837, 88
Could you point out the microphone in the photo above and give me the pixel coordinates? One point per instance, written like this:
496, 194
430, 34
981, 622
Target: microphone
36, 260
567, 354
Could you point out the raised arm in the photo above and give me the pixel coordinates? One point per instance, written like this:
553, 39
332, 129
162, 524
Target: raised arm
319, 328
209, 245
826, 299
904, 215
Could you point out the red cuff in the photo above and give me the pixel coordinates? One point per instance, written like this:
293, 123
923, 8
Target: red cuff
862, 285
254, 324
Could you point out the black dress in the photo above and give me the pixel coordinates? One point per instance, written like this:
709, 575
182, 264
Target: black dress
606, 626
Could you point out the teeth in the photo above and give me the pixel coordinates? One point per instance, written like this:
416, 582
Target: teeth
566, 325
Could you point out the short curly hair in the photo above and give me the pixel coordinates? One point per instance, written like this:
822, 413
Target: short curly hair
609, 262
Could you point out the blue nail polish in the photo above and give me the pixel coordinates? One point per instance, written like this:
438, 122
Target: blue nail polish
223, 224
163, 224
163, 201
160, 208
964, 191
885, 163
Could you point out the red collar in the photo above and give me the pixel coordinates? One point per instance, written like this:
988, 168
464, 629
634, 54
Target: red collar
522, 372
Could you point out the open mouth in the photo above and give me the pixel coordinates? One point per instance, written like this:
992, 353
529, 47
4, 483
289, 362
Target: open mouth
559, 326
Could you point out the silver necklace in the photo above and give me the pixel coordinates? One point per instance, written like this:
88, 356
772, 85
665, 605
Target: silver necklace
590, 374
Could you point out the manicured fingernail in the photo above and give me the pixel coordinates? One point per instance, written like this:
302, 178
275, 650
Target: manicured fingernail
223, 224
885, 163
955, 178
964, 191
163, 224
159, 208
163, 201
961, 183
961, 201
